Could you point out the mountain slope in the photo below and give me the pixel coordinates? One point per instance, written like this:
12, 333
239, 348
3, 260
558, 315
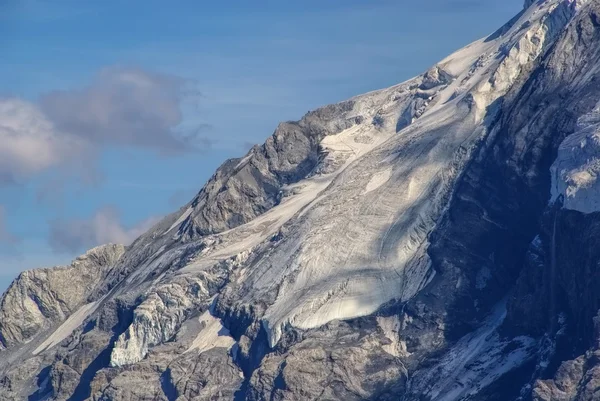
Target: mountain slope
405, 243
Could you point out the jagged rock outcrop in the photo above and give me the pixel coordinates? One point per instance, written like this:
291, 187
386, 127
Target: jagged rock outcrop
430, 241
39, 299
244, 189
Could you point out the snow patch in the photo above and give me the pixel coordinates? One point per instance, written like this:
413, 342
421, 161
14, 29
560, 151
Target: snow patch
576, 169
391, 326
212, 335
181, 219
302, 195
67, 328
378, 180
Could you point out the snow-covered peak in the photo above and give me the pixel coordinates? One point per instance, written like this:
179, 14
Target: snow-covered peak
396, 206
529, 3
368, 177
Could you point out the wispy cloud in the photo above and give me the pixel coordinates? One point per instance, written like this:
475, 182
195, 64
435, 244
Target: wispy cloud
30, 143
103, 227
121, 107
124, 106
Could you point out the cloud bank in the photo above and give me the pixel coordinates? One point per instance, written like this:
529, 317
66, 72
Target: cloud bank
30, 144
120, 107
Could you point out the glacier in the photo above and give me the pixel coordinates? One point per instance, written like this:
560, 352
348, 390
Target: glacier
400, 244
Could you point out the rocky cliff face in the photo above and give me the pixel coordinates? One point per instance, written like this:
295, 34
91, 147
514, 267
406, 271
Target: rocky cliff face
430, 241
38, 299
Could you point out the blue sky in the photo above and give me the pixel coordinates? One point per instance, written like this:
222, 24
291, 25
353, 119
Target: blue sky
115, 113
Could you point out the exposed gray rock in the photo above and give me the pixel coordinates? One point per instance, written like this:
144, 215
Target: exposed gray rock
336, 361
38, 299
399, 245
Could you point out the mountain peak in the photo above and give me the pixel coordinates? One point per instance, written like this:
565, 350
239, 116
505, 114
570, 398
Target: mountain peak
413, 242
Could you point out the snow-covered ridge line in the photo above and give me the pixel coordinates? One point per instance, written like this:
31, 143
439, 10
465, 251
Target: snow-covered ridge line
409, 208
395, 152
375, 169
481, 73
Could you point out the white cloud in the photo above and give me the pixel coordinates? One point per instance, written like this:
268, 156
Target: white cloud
103, 227
121, 107
29, 142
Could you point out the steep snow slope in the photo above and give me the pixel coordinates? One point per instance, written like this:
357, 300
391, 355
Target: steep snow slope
376, 240
345, 258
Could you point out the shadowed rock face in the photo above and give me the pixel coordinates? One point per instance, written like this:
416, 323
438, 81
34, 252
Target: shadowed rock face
435, 240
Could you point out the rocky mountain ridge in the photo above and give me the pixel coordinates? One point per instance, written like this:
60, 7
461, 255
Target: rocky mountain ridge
429, 241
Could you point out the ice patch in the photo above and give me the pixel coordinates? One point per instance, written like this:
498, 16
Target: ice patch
391, 327
65, 329
181, 219
378, 180
576, 169
212, 335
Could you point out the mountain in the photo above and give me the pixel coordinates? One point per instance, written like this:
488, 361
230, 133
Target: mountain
436, 240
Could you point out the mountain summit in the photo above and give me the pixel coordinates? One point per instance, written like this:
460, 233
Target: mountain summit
435, 240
